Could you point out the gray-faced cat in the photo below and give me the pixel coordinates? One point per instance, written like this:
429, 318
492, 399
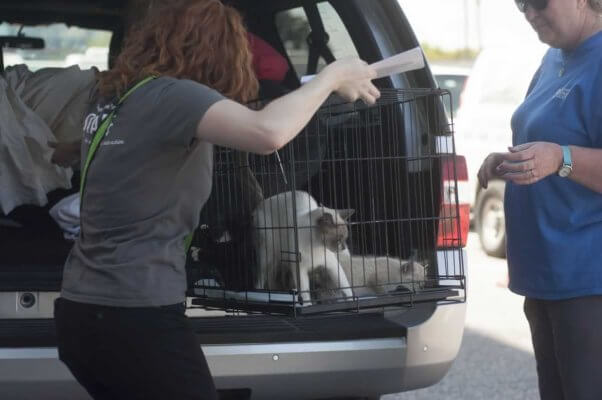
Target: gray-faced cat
371, 275
320, 232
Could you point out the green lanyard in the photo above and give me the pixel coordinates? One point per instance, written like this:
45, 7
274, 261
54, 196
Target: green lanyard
100, 134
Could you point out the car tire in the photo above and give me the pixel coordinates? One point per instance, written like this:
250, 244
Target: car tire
490, 220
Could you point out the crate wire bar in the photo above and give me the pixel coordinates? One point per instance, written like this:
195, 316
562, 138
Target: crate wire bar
290, 212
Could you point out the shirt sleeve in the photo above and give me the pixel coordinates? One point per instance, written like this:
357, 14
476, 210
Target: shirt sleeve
184, 104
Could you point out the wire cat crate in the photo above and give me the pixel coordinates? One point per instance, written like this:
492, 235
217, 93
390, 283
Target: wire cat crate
348, 215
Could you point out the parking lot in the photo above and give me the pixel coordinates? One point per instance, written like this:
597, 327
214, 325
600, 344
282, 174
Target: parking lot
496, 359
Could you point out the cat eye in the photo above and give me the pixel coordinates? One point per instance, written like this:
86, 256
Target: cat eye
539, 5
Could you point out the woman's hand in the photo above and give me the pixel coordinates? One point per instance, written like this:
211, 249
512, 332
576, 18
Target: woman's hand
65, 154
230, 124
530, 162
353, 80
489, 168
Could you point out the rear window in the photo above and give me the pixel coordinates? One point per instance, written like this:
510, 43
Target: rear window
294, 28
64, 46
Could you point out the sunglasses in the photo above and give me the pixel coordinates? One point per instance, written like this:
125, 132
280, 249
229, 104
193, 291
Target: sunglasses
539, 5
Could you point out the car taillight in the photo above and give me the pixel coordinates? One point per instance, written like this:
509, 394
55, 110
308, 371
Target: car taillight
454, 217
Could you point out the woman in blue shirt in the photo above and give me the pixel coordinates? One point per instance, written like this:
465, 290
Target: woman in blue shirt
553, 200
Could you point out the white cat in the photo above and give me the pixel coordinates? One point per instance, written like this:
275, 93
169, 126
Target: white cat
371, 275
279, 246
381, 274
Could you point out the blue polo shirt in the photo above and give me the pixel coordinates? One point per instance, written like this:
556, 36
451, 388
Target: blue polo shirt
554, 227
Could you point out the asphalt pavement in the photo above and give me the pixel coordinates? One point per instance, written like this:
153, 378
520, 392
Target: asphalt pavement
496, 358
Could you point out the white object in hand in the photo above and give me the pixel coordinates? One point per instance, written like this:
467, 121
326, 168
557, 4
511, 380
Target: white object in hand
409, 60
403, 62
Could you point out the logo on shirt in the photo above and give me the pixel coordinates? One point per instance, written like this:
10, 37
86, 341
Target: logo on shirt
93, 121
562, 93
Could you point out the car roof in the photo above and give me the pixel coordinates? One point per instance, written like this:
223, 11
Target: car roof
91, 13
101, 14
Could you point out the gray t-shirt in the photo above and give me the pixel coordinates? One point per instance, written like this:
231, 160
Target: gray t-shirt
144, 192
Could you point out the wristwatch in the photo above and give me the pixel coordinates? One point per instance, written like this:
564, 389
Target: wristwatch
567, 163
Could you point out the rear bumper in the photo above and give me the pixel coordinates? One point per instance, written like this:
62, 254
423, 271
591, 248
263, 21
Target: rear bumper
285, 370
333, 369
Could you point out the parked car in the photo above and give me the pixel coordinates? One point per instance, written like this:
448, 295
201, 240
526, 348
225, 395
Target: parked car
452, 78
363, 349
497, 85
92, 57
12, 58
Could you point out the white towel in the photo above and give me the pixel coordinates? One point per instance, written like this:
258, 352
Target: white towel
66, 215
26, 173
60, 96
35, 108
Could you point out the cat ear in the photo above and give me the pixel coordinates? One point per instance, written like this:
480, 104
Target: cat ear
326, 221
346, 213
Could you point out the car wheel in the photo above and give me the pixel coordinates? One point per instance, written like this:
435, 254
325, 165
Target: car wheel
491, 223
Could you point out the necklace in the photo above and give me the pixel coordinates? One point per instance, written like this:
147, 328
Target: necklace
563, 60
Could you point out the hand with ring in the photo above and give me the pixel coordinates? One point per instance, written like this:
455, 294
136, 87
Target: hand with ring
530, 162
489, 168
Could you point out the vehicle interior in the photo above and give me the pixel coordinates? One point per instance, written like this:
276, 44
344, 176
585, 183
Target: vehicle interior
309, 35
390, 163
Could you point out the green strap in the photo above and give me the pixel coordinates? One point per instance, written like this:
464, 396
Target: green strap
188, 241
100, 134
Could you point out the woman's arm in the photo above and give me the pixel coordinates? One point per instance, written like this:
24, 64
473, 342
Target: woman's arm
66, 154
531, 162
230, 124
587, 167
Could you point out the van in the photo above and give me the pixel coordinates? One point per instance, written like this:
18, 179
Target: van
354, 348
452, 78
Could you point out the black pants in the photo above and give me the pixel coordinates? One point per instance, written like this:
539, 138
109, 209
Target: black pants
132, 353
567, 338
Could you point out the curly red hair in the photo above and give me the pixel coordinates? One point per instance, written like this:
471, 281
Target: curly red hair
202, 40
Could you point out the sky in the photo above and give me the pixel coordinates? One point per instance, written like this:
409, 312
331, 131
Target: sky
455, 24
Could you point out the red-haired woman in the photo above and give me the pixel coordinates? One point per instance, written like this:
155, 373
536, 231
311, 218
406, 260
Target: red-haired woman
120, 318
